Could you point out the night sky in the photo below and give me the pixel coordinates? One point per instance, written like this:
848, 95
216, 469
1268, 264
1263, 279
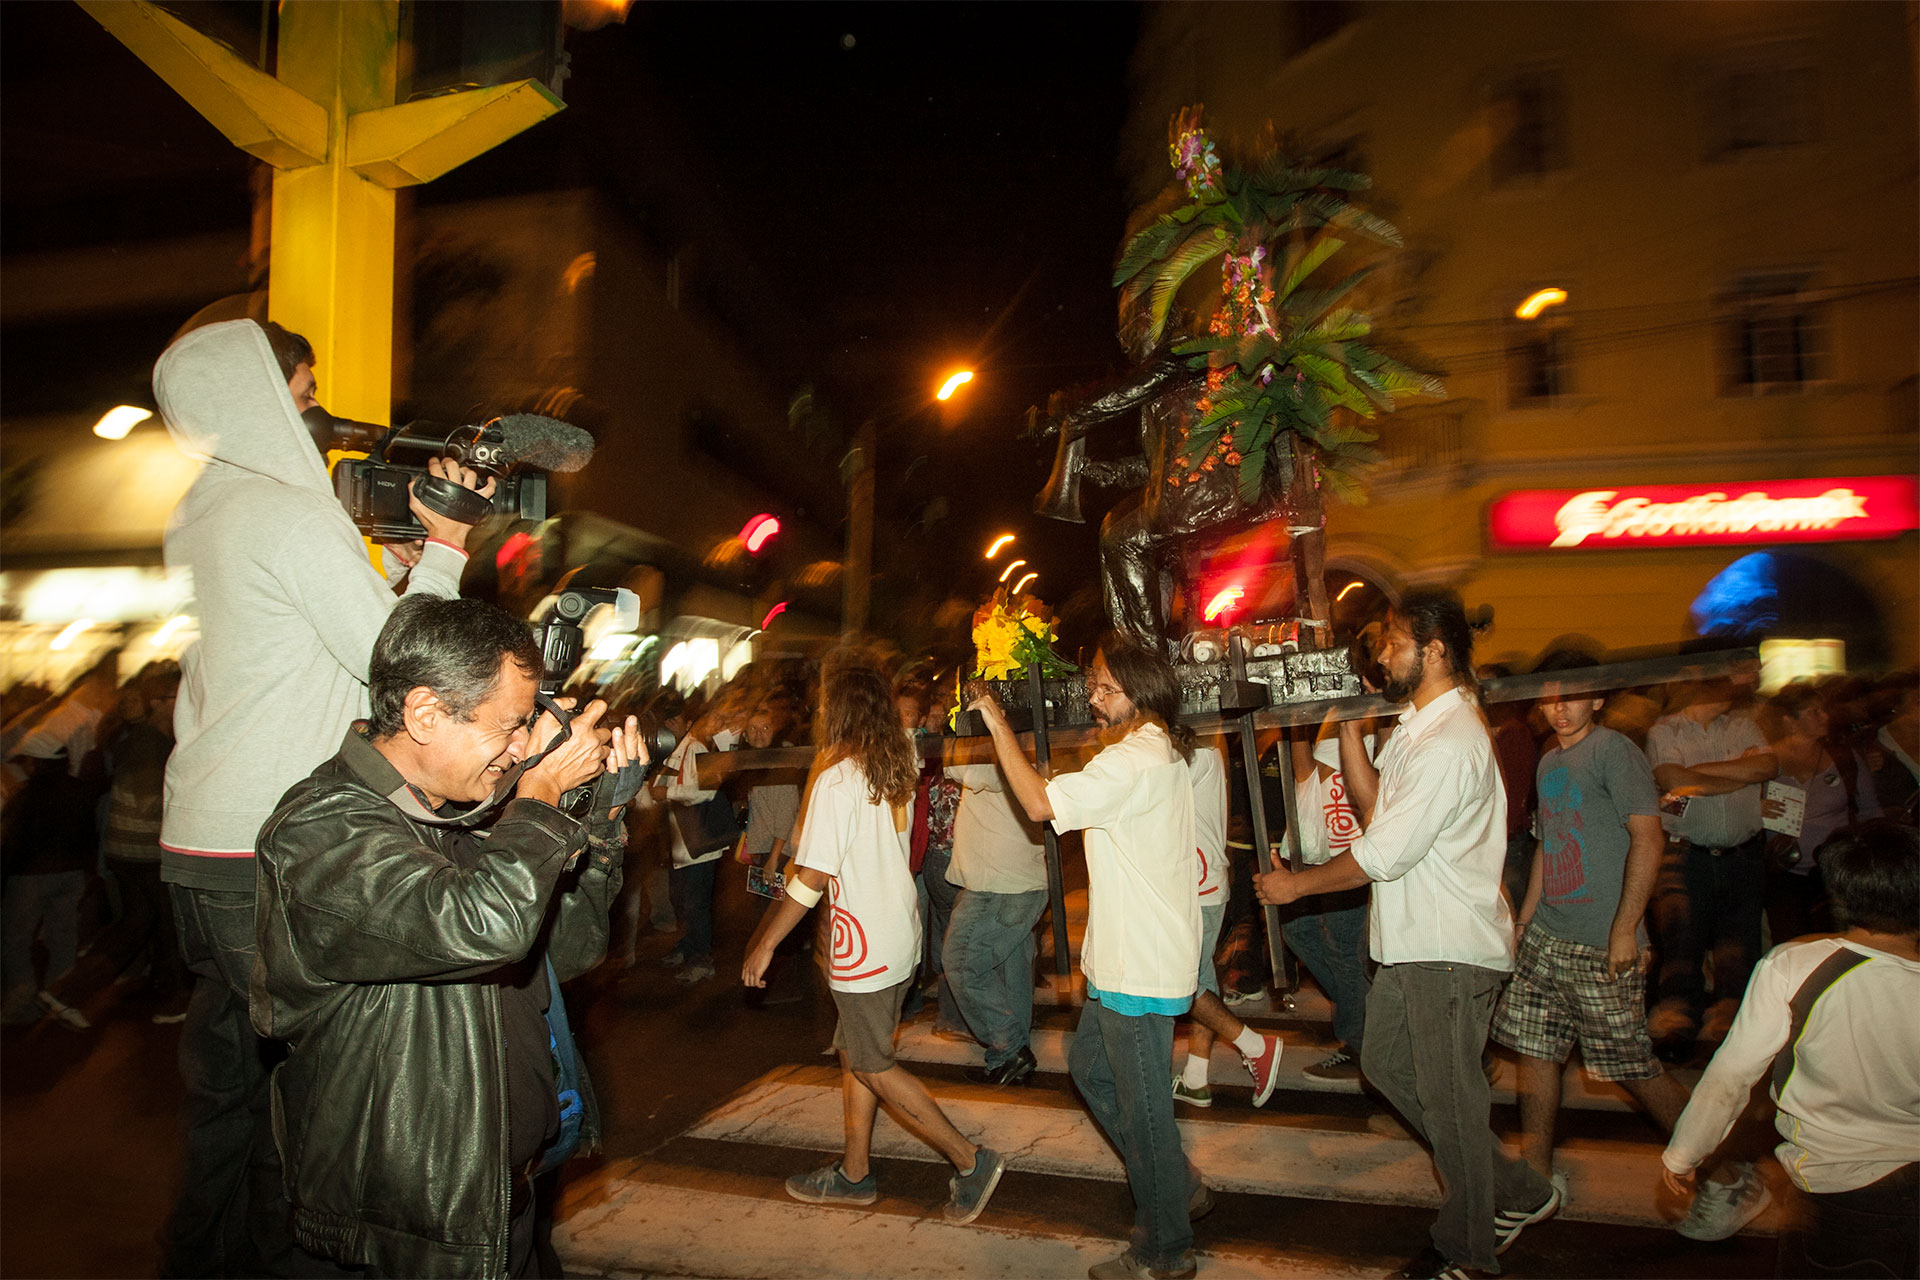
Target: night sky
875, 194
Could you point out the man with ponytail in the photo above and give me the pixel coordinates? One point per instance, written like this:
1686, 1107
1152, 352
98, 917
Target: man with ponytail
1141, 956
1434, 845
853, 848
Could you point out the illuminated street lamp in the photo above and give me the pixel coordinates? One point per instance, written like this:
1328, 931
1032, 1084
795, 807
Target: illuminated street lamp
998, 543
1008, 571
1539, 300
1021, 585
117, 421
857, 581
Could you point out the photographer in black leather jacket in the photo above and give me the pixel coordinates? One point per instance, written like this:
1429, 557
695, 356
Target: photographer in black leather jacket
404, 954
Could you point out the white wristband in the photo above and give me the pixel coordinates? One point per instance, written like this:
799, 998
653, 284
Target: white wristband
801, 892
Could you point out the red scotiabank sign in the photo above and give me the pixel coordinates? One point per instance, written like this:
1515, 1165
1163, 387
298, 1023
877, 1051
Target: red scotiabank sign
1833, 509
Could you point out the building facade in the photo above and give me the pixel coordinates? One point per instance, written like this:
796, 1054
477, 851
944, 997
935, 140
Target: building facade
1663, 257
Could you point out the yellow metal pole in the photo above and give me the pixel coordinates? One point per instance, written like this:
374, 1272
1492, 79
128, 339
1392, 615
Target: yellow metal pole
331, 277
339, 146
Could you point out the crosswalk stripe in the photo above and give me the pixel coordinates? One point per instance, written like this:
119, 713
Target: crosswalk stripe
1265, 1154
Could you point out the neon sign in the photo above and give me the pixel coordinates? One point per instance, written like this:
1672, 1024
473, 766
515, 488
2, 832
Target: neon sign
1832, 509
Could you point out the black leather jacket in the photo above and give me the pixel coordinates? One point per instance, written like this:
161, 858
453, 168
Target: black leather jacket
374, 952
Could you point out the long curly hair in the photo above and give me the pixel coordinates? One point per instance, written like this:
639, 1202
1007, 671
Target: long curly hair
862, 724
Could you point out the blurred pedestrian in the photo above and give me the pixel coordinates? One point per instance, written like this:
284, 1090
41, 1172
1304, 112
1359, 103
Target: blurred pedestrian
1211, 1019
1831, 1021
136, 762
1581, 974
50, 844
1328, 932
1826, 787
1710, 760
702, 826
999, 876
854, 844
1893, 755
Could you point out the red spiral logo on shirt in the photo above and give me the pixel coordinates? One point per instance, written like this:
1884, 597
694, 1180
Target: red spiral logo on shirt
1342, 825
849, 946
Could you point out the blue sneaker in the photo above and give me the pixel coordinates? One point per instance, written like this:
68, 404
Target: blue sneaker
829, 1184
973, 1189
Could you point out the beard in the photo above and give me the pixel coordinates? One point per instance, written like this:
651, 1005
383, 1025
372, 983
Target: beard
1399, 690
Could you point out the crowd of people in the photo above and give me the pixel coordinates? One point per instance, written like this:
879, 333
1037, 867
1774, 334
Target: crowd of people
356, 825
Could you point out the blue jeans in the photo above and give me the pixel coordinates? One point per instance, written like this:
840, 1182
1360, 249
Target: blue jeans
1426, 1029
33, 903
232, 1218
692, 891
989, 964
1119, 1064
1332, 943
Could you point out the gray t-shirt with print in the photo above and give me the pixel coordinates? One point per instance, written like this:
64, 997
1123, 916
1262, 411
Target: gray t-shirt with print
1587, 793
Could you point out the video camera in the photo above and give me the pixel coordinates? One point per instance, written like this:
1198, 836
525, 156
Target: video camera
516, 450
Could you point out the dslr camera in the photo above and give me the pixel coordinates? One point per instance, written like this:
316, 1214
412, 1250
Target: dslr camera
517, 451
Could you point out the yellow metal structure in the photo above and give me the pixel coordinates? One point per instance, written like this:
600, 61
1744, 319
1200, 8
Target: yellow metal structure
339, 146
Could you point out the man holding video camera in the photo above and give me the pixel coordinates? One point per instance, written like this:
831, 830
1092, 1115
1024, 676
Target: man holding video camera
412, 960
288, 606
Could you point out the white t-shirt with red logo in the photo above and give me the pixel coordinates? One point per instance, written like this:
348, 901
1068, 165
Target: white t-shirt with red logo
1328, 823
865, 848
1209, 768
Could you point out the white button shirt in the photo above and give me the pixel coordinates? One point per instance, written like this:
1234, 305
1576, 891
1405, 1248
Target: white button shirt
1438, 842
1134, 801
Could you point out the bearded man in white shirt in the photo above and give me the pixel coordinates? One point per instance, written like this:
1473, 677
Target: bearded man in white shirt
1434, 846
1134, 801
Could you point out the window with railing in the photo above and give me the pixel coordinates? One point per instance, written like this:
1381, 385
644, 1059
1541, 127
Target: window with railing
1773, 335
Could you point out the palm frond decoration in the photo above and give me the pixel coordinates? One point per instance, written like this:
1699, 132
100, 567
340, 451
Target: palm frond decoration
1287, 362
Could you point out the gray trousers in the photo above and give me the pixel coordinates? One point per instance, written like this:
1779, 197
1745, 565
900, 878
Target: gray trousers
1426, 1029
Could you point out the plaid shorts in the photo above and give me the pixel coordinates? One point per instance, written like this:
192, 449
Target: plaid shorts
1560, 994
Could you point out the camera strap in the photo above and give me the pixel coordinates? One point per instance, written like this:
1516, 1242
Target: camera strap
409, 802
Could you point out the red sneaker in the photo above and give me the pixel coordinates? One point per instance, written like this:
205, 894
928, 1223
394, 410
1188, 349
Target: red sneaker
1265, 1069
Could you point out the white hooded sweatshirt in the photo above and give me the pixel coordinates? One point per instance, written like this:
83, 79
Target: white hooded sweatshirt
288, 603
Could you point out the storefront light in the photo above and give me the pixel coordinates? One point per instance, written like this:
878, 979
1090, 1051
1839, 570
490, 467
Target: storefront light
71, 632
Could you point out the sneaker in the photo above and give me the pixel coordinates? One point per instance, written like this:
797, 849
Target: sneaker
971, 1191
673, 959
1132, 1265
1265, 1069
830, 1185
697, 971
1509, 1223
1719, 1211
1201, 1097
1230, 997
69, 1016
1338, 1065
1201, 1202
1431, 1264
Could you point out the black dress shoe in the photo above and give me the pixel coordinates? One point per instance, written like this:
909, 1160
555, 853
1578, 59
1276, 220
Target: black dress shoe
1015, 1070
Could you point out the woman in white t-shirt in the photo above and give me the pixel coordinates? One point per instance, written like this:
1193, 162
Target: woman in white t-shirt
853, 847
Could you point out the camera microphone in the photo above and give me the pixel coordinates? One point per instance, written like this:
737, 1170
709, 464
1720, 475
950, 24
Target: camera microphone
495, 446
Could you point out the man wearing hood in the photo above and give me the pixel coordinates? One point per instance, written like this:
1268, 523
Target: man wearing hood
288, 607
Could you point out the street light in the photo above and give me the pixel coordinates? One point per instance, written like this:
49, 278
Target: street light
998, 543
1539, 301
117, 421
1008, 571
857, 582
1020, 586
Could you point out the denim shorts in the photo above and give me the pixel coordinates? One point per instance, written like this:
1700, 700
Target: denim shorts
1211, 914
868, 1020
1560, 994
